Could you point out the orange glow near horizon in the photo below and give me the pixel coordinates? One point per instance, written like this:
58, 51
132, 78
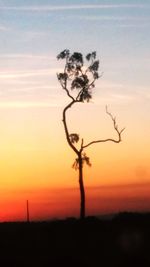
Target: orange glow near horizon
48, 203
36, 165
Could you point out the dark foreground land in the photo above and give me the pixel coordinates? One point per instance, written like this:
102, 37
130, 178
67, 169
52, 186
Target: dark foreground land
122, 241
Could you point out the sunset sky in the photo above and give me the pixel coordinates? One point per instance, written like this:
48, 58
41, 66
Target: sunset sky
35, 160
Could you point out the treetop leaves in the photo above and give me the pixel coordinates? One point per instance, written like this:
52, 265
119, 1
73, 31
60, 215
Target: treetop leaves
65, 53
80, 82
78, 75
62, 76
94, 66
90, 56
94, 55
76, 58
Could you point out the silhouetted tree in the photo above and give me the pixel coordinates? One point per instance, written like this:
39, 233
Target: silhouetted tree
78, 80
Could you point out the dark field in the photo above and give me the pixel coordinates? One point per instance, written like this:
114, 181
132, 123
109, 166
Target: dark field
122, 241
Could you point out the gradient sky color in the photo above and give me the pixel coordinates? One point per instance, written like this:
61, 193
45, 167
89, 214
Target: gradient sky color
35, 160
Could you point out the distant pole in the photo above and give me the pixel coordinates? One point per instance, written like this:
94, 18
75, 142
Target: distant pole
28, 218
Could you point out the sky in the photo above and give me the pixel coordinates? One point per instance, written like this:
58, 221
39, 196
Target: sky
35, 160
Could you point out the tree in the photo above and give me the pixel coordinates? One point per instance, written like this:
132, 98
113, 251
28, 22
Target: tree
78, 80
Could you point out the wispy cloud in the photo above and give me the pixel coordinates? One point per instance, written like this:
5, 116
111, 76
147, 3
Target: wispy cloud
28, 89
114, 18
132, 25
14, 75
3, 28
15, 104
116, 93
124, 21
26, 56
46, 8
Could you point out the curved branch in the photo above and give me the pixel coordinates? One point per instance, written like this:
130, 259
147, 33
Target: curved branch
119, 132
66, 128
102, 141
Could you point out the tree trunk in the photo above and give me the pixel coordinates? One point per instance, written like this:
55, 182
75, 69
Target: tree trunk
82, 192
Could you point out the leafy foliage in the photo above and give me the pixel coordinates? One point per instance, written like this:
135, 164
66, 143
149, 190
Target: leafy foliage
62, 76
78, 75
65, 53
74, 138
94, 66
91, 56
85, 159
76, 58
80, 82
85, 95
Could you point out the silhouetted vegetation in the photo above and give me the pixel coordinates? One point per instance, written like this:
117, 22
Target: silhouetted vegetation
78, 80
122, 241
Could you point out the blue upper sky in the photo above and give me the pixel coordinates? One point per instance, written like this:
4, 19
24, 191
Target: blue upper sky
33, 32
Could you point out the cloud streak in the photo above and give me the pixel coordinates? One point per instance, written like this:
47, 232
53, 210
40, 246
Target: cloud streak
25, 74
125, 21
70, 7
110, 18
27, 56
25, 104
3, 28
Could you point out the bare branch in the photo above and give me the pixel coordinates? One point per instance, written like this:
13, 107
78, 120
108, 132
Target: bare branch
81, 148
119, 132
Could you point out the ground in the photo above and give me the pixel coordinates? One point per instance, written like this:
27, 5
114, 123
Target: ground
121, 241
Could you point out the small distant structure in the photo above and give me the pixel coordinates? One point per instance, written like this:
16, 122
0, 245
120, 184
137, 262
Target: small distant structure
28, 217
